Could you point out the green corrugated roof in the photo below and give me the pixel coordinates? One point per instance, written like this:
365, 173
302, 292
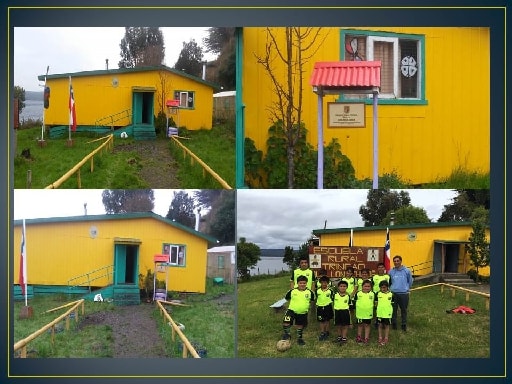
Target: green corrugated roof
123, 216
102, 72
391, 227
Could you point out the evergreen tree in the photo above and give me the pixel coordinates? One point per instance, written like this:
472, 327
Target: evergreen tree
407, 215
222, 225
464, 204
380, 202
247, 256
181, 209
128, 200
142, 46
190, 59
19, 93
478, 246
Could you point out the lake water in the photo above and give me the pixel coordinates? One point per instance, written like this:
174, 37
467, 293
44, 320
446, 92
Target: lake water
33, 110
269, 266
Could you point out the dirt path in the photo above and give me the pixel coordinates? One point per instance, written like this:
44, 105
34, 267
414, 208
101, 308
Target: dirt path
134, 330
158, 166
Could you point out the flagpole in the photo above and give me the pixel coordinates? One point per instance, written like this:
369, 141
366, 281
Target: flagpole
42, 126
69, 107
25, 263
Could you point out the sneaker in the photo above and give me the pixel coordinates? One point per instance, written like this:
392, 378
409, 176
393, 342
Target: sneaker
286, 336
359, 339
338, 339
380, 340
300, 341
366, 341
404, 327
385, 341
343, 340
322, 337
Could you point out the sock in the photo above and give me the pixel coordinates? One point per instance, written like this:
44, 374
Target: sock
299, 333
286, 329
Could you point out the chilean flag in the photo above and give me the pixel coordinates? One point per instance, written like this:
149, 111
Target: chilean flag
387, 252
23, 262
72, 110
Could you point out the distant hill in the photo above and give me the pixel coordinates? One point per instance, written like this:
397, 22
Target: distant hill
272, 252
33, 95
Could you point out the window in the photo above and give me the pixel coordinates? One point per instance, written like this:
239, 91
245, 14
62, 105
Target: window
186, 98
401, 56
177, 254
220, 262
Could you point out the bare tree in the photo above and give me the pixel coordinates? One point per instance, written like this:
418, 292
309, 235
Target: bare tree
300, 45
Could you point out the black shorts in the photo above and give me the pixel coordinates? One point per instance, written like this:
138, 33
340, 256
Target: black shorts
295, 318
383, 320
363, 321
324, 313
342, 317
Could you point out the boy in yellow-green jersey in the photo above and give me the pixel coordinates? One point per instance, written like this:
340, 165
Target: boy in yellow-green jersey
324, 311
297, 312
376, 280
384, 301
351, 281
303, 270
341, 304
364, 302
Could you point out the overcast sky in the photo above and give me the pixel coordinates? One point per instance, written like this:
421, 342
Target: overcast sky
43, 203
279, 218
74, 49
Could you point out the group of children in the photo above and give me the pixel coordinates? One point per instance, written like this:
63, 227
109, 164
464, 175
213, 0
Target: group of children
353, 299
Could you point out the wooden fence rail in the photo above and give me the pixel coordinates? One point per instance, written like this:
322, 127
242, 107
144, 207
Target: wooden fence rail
109, 142
206, 168
455, 288
22, 344
187, 347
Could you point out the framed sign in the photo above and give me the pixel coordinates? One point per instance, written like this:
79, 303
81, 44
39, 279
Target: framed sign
346, 115
336, 259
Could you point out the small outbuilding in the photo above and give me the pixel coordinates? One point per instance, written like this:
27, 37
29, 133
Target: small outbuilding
221, 263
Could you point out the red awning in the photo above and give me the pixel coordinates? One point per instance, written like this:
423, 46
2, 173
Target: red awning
346, 74
161, 258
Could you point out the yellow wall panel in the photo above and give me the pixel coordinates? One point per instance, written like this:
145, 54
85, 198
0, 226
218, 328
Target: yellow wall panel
422, 143
59, 251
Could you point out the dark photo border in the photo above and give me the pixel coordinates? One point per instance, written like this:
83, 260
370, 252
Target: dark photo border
490, 14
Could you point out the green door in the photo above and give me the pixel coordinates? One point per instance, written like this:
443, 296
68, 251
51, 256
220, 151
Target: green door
126, 264
143, 107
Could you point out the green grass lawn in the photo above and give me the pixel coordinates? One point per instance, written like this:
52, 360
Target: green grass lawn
119, 170
209, 322
216, 148
431, 331
208, 319
47, 164
89, 342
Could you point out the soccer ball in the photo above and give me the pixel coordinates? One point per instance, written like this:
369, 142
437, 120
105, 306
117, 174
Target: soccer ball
124, 135
283, 345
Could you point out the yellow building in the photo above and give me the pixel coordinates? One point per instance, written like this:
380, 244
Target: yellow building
425, 248
129, 98
98, 251
433, 105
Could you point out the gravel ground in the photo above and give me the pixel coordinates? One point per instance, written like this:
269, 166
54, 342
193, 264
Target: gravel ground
134, 329
158, 166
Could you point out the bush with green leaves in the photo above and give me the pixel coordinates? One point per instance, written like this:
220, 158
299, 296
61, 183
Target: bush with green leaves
271, 170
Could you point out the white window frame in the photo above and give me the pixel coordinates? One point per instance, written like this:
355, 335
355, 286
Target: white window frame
177, 247
394, 40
